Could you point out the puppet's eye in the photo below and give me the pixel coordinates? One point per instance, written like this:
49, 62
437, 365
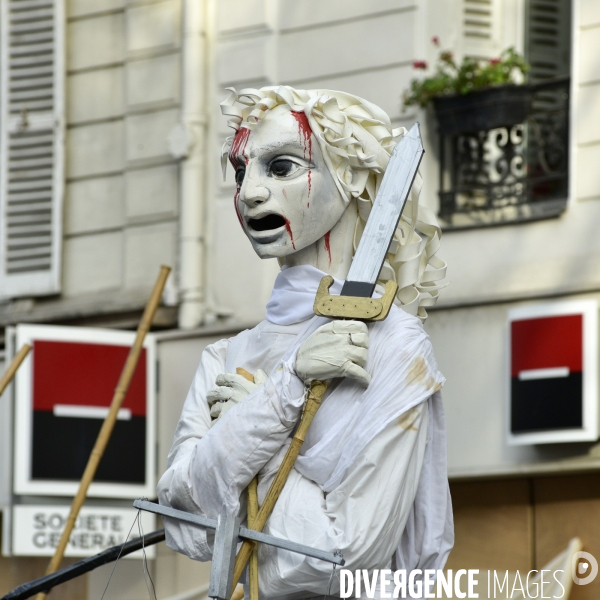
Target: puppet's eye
282, 167
239, 175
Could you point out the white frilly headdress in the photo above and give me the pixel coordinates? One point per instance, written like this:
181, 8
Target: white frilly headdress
357, 139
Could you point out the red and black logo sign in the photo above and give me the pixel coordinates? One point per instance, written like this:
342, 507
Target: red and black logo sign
73, 385
547, 373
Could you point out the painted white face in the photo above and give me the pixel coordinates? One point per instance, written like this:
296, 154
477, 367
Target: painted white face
286, 199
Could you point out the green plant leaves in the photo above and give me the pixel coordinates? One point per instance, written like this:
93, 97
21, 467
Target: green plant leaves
471, 75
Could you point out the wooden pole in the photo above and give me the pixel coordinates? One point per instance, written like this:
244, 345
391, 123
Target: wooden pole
252, 514
109, 423
12, 368
313, 402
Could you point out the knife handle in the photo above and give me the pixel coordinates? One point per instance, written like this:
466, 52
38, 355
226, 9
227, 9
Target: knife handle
353, 307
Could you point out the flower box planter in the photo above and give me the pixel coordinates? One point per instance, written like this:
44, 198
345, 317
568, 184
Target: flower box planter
501, 106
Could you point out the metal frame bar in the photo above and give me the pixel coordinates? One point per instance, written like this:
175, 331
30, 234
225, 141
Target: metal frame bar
245, 533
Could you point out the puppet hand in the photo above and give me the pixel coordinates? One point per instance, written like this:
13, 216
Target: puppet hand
338, 349
231, 389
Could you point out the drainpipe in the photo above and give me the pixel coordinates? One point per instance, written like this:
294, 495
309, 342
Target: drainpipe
187, 141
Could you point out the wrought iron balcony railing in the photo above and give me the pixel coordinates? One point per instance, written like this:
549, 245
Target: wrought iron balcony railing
510, 174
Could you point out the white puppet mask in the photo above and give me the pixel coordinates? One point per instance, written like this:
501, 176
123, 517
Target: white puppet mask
286, 199
305, 191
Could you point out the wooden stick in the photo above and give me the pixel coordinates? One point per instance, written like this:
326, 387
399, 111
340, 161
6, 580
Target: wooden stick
238, 593
245, 374
14, 365
109, 422
313, 402
252, 514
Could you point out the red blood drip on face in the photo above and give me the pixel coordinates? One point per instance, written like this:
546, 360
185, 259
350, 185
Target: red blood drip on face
327, 245
289, 230
238, 147
306, 137
237, 158
237, 206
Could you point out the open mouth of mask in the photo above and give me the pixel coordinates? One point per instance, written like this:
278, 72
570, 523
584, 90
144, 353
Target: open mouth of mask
267, 223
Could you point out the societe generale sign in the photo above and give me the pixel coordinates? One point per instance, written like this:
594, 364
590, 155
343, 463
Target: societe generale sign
63, 391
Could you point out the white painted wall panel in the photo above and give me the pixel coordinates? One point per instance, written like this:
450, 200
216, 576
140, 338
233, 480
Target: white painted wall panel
153, 81
246, 15
589, 12
79, 8
147, 133
589, 65
94, 95
153, 26
94, 204
243, 61
95, 42
588, 174
92, 263
152, 193
587, 111
95, 149
338, 49
294, 14
146, 249
556, 255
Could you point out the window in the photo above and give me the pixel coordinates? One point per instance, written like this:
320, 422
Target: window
31, 146
518, 172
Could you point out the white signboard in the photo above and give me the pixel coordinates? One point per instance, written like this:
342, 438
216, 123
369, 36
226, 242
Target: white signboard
63, 392
36, 530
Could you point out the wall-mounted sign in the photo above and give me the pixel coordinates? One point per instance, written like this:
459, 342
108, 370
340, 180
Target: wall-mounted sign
36, 530
553, 378
63, 392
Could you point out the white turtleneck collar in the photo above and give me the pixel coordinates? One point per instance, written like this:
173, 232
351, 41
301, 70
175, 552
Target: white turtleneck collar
293, 294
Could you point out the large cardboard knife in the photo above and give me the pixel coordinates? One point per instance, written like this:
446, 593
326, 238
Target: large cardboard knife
354, 302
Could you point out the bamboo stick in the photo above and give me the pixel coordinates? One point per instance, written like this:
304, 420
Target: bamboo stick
313, 402
13, 367
238, 593
252, 513
109, 423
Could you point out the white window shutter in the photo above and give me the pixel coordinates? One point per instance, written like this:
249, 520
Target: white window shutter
32, 74
481, 28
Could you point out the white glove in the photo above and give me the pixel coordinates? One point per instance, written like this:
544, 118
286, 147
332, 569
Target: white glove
231, 389
338, 349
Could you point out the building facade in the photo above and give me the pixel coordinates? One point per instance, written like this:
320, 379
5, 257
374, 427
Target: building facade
110, 166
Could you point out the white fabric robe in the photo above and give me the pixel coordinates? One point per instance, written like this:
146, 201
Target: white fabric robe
371, 479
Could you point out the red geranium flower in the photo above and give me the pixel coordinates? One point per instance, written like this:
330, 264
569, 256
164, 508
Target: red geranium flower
436, 40
419, 64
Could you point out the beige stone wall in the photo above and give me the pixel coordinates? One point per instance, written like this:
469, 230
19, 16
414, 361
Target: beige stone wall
123, 95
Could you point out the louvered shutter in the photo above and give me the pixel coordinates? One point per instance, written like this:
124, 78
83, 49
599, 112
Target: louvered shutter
481, 28
548, 38
31, 146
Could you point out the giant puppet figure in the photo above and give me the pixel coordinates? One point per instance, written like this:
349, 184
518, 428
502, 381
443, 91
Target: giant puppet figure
371, 479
